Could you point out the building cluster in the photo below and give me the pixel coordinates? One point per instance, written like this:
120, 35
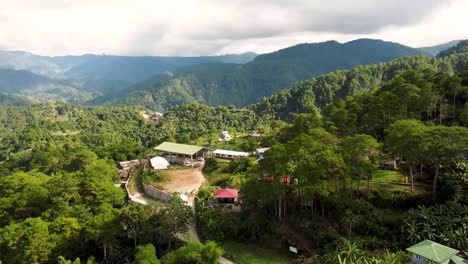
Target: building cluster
125, 167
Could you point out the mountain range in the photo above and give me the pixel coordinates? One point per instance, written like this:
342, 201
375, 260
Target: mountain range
161, 82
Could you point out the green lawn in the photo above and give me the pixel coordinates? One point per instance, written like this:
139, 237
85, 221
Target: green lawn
252, 254
393, 180
387, 176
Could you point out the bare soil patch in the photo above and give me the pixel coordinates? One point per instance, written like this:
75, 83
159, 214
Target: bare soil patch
182, 181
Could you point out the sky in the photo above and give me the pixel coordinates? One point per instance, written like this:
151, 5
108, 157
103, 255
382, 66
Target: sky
212, 27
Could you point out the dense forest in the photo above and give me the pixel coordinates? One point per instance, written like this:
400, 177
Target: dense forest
239, 85
61, 200
328, 88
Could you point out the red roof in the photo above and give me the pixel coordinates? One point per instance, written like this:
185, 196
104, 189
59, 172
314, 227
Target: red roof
227, 193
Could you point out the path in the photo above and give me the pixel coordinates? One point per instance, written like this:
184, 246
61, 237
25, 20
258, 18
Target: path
191, 186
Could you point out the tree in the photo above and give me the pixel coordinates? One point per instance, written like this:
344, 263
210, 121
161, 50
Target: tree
22, 195
26, 242
134, 217
444, 146
404, 140
360, 153
195, 253
146, 254
211, 164
275, 165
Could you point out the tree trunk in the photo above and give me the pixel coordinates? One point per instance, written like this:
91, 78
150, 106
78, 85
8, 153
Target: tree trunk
434, 185
323, 208
358, 186
336, 183
368, 186
411, 176
104, 245
279, 209
284, 206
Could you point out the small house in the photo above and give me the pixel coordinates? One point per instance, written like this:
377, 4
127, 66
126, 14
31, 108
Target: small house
254, 133
159, 163
225, 136
260, 152
388, 165
227, 195
156, 116
430, 252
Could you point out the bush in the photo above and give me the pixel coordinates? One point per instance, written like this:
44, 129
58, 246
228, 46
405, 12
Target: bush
151, 176
211, 164
240, 164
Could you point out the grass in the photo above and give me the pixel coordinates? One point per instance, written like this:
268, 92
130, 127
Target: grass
393, 180
387, 176
133, 184
242, 253
219, 175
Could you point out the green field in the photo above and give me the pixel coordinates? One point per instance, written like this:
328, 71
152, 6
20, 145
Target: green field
387, 176
252, 254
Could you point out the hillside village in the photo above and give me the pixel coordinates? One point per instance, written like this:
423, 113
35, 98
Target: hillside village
320, 153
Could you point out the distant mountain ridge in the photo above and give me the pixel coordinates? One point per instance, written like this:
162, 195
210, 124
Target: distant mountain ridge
322, 90
161, 82
434, 50
240, 85
88, 76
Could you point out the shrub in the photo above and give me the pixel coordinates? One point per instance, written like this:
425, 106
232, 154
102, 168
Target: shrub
211, 164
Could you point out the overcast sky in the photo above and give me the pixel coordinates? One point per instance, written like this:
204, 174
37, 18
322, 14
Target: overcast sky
207, 27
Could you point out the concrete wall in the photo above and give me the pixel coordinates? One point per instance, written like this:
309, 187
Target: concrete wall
157, 194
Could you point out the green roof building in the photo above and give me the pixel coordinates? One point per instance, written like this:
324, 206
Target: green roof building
182, 153
430, 252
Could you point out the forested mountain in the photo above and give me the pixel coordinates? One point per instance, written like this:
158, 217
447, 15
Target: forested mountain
327, 88
78, 79
462, 46
25, 83
9, 99
161, 82
239, 85
434, 50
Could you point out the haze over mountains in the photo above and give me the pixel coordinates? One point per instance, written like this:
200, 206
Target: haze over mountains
161, 82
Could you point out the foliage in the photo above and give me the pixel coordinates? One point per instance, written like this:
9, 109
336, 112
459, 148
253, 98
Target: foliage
146, 254
195, 253
211, 164
443, 223
240, 164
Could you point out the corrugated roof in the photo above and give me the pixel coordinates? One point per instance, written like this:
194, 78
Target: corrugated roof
458, 260
230, 152
433, 251
227, 193
178, 148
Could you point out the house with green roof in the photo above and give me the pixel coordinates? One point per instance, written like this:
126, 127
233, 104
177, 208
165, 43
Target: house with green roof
430, 252
182, 153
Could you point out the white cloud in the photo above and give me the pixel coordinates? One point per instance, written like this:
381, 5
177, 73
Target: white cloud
201, 27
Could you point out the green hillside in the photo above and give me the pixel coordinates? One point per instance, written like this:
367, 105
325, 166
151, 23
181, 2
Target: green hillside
240, 85
328, 88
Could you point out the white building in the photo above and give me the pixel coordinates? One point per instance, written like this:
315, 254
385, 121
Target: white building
229, 154
225, 136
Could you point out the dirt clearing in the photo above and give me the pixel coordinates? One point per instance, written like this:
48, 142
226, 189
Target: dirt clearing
182, 181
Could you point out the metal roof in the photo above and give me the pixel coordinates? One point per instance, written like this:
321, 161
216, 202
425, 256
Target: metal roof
179, 148
458, 260
227, 193
433, 251
230, 152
